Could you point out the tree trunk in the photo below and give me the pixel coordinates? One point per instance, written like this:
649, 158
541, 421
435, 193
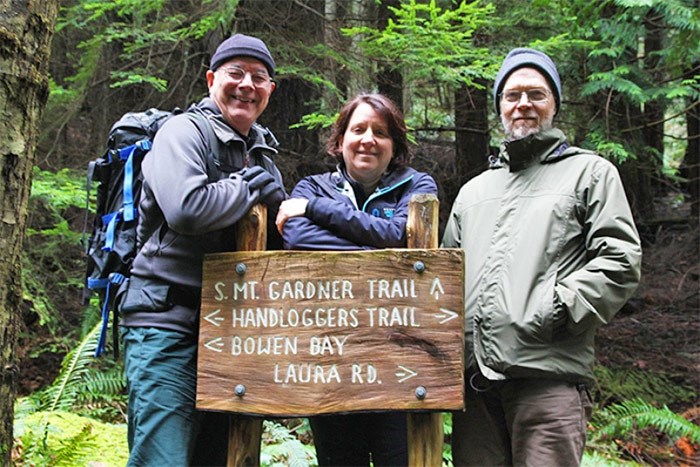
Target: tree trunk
472, 135
26, 29
360, 15
652, 117
389, 78
691, 161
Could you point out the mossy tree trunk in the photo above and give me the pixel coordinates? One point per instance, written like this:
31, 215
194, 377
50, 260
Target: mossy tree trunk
26, 29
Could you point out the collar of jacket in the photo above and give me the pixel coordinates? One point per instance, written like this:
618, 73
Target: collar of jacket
389, 180
545, 146
226, 134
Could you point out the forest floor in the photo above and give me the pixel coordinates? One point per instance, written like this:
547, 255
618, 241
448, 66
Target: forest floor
658, 330
656, 333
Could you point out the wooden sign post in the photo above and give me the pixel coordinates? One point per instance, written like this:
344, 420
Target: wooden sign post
292, 333
425, 434
244, 432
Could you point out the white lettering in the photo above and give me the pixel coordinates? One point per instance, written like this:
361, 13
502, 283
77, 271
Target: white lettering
244, 291
364, 374
397, 288
306, 373
264, 345
392, 317
307, 290
218, 287
263, 317
326, 345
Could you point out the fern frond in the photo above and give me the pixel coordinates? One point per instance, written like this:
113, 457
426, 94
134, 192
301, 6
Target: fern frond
619, 420
103, 384
281, 447
63, 393
71, 449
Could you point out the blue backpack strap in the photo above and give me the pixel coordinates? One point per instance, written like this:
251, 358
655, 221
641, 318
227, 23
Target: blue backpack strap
129, 153
112, 284
111, 220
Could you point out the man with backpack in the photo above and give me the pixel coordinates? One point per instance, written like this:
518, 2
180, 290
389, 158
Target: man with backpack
190, 204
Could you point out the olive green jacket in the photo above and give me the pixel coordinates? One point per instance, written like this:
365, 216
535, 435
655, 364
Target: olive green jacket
552, 253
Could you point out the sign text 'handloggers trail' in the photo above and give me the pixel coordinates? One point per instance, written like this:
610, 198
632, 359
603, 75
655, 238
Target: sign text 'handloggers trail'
291, 333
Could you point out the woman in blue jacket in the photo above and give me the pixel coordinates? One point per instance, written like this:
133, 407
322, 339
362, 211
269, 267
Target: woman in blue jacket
363, 204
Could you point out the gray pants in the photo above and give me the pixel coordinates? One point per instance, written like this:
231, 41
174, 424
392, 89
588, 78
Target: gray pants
527, 421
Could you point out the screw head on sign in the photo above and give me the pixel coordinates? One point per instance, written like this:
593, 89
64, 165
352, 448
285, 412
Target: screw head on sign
240, 390
240, 269
419, 266
421, 392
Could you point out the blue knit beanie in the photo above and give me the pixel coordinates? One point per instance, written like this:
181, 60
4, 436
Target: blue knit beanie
242, 45
522, 57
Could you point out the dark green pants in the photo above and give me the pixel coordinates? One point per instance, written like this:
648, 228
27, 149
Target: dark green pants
527, 421
164, 427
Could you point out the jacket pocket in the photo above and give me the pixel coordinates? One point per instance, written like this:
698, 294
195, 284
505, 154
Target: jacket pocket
540, 317
144, 295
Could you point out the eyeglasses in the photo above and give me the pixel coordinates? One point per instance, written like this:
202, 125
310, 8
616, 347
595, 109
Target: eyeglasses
533, 95
236, 74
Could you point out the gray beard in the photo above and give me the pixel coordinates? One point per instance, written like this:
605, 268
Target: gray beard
522, 132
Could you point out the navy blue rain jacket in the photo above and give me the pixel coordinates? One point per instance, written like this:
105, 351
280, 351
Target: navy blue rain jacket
334, 219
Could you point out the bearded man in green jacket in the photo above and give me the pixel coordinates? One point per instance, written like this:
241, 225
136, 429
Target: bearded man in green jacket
552, 253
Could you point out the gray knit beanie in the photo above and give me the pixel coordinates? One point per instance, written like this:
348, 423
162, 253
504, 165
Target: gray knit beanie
522, 57
242, 45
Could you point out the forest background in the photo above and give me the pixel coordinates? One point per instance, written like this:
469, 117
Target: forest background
630, 71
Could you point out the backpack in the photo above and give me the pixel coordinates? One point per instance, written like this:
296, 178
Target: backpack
111, 247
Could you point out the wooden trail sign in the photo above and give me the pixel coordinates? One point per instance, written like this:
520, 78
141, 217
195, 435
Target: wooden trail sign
288, 333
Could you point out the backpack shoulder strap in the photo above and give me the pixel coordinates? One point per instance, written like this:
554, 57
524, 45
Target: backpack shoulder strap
205, 127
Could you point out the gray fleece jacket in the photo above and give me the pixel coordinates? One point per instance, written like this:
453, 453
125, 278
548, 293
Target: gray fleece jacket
186, 212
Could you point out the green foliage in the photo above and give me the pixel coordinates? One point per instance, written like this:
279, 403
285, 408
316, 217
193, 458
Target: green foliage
611, 149
60, 190
128, 78
282, 447
143, 29
627, 384
66, 439
63, 394
616, 81
50, 257
83, 388
594, 458
315, 120
625, 77
623, 419
447, 460
137, 47
431, 44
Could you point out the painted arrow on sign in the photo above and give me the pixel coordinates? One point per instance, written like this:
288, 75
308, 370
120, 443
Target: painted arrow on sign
405, 374
213, 319
446, 315
217, 345
436, 289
